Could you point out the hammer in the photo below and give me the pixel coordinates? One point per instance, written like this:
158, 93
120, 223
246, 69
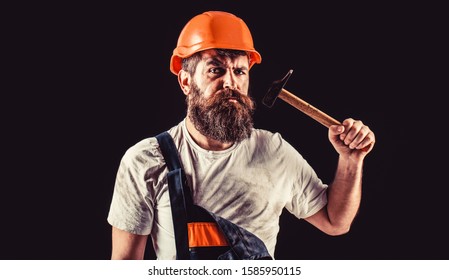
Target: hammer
277, 90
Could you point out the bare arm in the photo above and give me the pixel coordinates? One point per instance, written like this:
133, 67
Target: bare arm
353, 143
127, 246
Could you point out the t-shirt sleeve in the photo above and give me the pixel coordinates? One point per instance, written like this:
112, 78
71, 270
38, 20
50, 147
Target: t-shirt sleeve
132, 202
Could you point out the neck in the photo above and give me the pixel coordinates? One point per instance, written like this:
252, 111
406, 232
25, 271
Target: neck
203, 141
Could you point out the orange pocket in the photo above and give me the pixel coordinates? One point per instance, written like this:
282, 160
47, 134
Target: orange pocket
204, 234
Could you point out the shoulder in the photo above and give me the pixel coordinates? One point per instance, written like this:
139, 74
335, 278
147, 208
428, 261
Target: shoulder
143, 153
146, 153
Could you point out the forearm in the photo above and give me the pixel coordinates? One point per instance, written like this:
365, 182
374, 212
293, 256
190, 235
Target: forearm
344, 194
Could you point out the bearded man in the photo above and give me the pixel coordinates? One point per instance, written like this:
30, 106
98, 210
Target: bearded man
243, 174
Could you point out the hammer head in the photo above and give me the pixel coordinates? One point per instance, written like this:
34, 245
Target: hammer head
275, 88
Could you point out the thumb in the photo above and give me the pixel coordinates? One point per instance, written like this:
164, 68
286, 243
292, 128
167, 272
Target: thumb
336, 129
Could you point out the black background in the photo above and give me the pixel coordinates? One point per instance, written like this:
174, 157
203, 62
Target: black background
85, 82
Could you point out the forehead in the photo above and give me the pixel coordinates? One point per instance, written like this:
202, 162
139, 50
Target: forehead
213, 58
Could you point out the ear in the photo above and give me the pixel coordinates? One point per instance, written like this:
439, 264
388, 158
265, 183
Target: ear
184, 80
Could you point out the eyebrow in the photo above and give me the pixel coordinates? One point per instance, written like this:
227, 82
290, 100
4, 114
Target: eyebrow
216, 62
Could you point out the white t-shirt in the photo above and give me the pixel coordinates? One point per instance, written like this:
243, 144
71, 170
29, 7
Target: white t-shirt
249, 184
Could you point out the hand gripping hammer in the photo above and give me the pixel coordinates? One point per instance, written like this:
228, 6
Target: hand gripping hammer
277, 90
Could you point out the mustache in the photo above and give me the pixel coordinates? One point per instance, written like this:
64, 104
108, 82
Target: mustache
228, 93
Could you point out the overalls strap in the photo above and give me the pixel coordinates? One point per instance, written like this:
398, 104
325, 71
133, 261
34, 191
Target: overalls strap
180, 197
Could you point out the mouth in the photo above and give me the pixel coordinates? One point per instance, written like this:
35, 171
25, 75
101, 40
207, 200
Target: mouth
233, 100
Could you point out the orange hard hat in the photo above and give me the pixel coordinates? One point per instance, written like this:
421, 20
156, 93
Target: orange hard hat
213, 30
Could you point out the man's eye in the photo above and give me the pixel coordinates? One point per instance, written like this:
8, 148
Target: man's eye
216, 70
239, 72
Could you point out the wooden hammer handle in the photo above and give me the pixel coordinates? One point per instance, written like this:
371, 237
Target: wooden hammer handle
310, 111
307, 109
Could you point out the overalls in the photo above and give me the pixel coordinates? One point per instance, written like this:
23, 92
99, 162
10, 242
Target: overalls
200, 234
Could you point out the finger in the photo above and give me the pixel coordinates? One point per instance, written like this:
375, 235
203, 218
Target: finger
347, 123
368, 141
359, 137
352, 132
336, 130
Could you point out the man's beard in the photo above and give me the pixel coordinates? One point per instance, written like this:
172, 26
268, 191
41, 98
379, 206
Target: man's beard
219, 118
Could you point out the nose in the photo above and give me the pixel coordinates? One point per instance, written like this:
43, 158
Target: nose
229, 81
